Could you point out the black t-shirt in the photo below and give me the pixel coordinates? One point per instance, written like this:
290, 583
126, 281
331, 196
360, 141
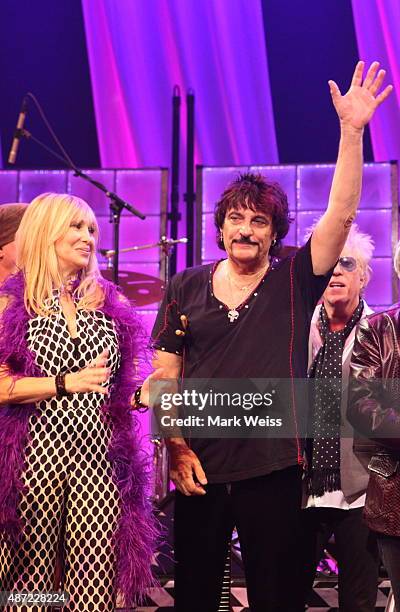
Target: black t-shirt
275, 318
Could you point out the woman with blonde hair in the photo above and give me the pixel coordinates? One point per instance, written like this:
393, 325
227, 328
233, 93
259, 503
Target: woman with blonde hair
72, 477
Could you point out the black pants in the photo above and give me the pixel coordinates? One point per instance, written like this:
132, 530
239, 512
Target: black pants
357, 555
266, 512
389, 548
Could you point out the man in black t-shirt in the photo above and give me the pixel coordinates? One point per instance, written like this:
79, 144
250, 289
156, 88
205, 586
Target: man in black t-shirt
248, 317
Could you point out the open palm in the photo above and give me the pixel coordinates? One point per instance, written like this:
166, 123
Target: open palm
358, 105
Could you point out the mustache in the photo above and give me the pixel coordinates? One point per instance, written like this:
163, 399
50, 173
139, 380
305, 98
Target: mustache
245, 240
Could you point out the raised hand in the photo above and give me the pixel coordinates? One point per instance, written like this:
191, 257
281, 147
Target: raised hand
358, 105
89, 379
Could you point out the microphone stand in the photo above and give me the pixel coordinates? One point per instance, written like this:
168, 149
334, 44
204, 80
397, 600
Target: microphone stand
117, 204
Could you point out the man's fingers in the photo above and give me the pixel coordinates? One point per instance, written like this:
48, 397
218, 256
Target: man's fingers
185, 484
357, 75
335, 91
385, 93
186, 472
182, 489
179, 482
199, 472
197, 490
192, 487
375, 86
372, 70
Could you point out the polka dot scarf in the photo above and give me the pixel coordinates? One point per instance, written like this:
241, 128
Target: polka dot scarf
327, 372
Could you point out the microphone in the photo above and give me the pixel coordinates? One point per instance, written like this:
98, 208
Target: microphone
18, 131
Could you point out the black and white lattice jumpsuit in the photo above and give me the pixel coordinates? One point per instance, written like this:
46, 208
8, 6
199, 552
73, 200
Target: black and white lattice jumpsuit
71, 500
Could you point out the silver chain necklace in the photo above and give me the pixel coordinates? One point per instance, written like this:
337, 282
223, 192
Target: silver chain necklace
233, 313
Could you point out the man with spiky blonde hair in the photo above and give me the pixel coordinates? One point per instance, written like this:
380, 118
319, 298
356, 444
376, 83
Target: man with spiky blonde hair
337, 474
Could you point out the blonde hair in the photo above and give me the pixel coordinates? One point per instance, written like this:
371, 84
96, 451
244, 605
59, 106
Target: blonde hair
46, 220
362, 245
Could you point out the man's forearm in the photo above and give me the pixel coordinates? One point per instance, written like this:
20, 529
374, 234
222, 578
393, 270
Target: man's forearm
332, 229
347, 180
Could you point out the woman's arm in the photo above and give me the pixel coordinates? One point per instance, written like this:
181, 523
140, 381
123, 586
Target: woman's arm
28, 389
34, 389
25, 390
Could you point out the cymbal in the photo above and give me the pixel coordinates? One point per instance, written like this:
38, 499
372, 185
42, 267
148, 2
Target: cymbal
142, 289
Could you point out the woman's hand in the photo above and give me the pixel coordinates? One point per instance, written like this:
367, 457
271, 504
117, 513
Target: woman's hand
90, 378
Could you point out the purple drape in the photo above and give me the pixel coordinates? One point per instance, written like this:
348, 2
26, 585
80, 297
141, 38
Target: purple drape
377, 24
139, 49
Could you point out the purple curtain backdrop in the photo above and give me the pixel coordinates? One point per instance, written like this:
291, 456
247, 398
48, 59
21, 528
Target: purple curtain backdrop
377, 24
139, 49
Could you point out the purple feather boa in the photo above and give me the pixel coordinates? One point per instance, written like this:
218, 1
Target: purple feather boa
136, 534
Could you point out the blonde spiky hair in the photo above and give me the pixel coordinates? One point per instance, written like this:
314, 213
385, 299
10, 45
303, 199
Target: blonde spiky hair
361, 245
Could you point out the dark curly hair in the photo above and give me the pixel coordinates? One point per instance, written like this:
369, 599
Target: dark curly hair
250, 190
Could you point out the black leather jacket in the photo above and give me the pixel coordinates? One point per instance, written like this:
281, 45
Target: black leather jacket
374, 411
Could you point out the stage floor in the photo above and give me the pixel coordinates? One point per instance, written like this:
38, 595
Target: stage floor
324, 598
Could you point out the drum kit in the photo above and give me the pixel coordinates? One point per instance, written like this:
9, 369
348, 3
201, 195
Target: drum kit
142, 289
